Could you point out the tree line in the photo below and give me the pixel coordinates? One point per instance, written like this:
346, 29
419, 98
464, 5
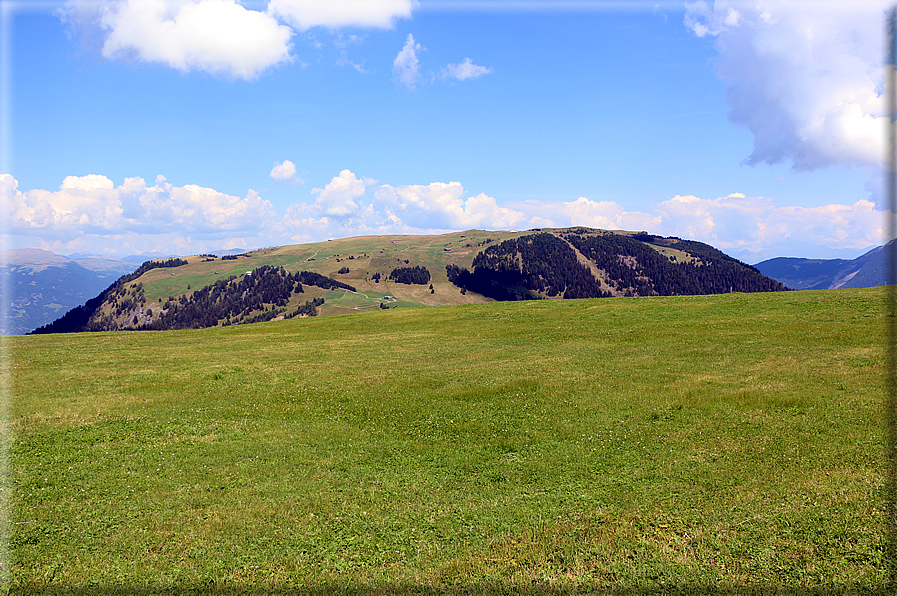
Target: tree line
411, 275
530, 266
637, 269
522, 268
258, 296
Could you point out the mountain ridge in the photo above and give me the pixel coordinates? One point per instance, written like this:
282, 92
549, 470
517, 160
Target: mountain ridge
42, 285
866, 271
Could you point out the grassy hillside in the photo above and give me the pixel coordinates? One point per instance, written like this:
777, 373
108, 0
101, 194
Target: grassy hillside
363, 256
723, 444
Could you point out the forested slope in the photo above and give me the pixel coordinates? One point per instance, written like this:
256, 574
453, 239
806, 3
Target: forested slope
585, 264
260, 295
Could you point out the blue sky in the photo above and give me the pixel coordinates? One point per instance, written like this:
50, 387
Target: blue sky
185, 126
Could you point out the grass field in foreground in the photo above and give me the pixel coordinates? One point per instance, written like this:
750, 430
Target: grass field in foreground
725, 444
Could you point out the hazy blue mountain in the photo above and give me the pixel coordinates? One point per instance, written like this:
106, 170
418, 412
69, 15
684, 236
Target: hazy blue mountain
230, 251
43, 285
138, 259
865, 271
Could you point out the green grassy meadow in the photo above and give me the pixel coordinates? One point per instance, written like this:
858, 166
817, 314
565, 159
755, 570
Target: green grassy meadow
715, 444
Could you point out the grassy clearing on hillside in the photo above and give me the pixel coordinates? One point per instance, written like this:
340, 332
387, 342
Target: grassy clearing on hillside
680, 256
369, 255
722, 444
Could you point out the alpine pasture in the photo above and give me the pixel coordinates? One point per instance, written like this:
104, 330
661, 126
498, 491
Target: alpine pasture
717, 444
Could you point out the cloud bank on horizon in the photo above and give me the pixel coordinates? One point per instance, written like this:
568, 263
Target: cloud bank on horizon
803, 78
91, 214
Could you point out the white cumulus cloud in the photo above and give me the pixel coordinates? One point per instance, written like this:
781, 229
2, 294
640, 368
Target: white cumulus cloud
343, 196
380, 14
282, 171
749, 228
441, 205
804, 77
86, 202
406, 66
93, 204
465, 70
220, 37
756, 228
202, 209
606, 215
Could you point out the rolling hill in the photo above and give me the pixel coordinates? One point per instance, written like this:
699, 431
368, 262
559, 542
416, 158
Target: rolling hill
378, 272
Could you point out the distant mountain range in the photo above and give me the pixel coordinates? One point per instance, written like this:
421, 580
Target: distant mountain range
44, 285
865, 271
